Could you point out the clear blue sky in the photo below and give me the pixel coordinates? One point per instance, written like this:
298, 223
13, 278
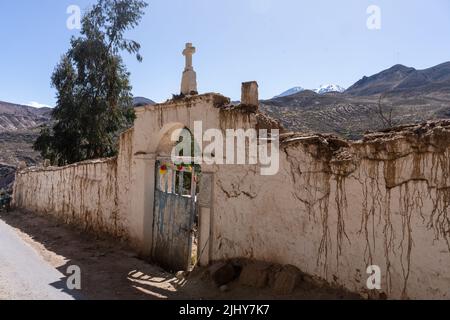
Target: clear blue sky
279, 43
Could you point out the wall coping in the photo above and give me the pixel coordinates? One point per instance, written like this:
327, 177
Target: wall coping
173, 103
73, 165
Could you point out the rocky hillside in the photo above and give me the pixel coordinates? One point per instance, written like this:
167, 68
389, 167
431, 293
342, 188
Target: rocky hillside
15, 118
19, 127
399, 95
18, 130
402, 80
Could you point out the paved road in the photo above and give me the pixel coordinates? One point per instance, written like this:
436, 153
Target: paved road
24, 275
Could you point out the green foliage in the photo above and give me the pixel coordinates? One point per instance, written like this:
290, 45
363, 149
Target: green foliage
94, 101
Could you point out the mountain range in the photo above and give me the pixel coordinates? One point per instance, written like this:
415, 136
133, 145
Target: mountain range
404, 80
395, 96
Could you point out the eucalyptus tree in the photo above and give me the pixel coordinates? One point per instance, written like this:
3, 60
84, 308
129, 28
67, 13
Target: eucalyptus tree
94, 101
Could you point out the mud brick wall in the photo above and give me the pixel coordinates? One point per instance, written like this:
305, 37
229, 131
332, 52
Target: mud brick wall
85, 194
336, 208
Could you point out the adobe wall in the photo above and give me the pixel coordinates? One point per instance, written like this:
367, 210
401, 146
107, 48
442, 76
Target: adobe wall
336, 208
85, 194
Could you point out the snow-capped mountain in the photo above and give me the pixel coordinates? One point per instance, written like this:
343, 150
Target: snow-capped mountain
329, 88
321, 90
290, 92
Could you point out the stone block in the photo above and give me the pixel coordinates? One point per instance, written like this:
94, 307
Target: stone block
223, 273
255, 275
286, 280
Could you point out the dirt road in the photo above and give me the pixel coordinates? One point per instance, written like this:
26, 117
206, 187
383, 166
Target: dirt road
36, 251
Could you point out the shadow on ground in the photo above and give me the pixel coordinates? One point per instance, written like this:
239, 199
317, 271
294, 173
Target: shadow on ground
110, 270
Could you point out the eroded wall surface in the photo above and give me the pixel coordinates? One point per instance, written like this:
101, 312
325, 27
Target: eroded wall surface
85, 194
336, 208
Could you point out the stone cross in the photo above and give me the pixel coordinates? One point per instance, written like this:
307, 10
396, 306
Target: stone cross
188, 53
189, 81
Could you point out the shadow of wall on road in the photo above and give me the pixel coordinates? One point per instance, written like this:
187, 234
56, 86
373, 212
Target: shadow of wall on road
108, 267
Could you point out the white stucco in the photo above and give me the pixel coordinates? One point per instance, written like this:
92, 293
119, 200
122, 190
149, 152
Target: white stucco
382, 202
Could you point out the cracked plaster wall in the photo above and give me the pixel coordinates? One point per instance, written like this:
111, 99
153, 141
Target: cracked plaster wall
335, 208
85, 194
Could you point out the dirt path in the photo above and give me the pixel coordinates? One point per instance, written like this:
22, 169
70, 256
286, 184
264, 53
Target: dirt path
110, 270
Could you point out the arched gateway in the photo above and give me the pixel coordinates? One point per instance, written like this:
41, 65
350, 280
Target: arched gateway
175, 218
167, 198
